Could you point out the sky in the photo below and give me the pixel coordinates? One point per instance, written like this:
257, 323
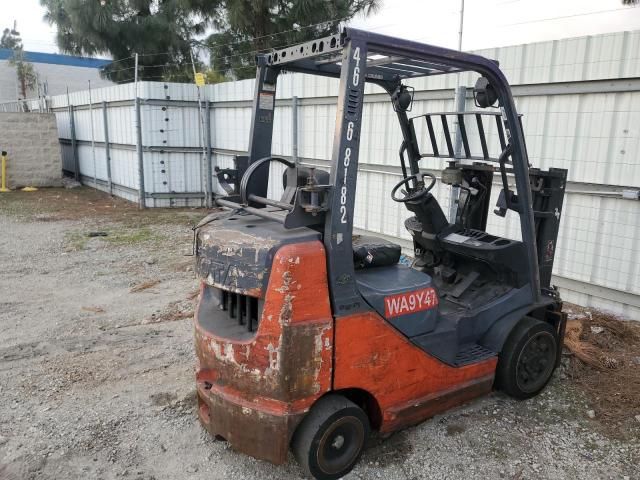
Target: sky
487, 23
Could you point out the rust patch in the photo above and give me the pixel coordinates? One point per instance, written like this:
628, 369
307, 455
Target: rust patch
305, 369
286, 312
248, 428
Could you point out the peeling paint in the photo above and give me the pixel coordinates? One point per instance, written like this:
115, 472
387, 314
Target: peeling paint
286, 312
274, 359
287, 281
287, 364
234, 239
229, 356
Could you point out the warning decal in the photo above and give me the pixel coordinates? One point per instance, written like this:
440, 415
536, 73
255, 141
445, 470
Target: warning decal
265, 101
410, 302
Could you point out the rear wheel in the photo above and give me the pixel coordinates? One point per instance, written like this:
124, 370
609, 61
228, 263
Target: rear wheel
528, 358
331, 438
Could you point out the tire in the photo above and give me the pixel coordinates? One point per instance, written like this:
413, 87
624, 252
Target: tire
528, 359
330, 439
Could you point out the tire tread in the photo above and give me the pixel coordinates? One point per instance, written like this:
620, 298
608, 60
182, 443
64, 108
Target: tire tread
304, 436
505, 375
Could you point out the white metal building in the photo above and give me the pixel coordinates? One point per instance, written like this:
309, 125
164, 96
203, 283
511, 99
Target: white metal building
580, 99
56, 73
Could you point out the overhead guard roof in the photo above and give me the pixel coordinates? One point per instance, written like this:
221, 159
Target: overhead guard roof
388, 58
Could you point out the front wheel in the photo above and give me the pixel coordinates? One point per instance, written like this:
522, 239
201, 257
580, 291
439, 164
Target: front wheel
331, 438
528, 358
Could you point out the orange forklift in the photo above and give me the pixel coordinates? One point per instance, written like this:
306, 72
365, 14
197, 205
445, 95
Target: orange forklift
309, 337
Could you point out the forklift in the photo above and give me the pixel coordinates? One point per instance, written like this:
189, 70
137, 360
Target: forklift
310, 337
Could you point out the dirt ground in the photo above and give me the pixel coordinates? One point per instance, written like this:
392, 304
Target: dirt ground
97, 369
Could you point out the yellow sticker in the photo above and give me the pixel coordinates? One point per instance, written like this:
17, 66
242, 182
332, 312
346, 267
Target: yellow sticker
200, 79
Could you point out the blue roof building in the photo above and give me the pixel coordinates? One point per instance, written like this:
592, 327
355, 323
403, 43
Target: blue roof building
56, 73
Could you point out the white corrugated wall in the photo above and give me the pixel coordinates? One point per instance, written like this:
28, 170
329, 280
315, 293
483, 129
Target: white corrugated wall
573, 118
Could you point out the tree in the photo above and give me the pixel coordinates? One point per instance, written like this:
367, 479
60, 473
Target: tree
24, 70
165, 32
247, 27
160, 31
11, 38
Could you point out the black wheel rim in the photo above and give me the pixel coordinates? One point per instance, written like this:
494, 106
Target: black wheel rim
340, 445
536, 361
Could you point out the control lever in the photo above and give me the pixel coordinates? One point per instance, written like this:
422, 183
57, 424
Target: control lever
507, 200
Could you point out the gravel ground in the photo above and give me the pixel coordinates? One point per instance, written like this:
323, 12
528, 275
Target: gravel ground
98, 382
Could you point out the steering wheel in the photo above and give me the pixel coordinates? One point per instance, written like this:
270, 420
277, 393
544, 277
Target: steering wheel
413, 193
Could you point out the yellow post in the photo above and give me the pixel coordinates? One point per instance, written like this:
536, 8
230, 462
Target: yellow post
4, 188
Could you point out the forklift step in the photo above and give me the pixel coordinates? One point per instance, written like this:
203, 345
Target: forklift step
441, 342
472, 353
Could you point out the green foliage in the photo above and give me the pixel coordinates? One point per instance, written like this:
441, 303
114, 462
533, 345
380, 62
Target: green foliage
247, 27
214, 76
24, 70
164, 32
11, 38
160, 31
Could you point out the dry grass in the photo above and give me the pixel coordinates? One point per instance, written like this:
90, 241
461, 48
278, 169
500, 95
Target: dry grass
144, 286
177, 310
605, 364
94, 309
193, 295
54, 204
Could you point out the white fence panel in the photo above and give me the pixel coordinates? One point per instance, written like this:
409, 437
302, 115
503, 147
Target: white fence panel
580, 100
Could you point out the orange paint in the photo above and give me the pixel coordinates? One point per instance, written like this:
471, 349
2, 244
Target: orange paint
254, 392
296, 310
408, 384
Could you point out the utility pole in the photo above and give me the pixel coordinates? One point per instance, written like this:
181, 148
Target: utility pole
461, 25
135, 74
139, 150
203, 163
93, 140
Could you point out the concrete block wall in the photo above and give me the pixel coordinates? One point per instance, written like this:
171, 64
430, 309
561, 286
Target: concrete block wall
31, 141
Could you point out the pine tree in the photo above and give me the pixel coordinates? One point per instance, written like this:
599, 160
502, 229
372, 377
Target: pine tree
160, 31
247, 27
24, 70
11, 38
165, 32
